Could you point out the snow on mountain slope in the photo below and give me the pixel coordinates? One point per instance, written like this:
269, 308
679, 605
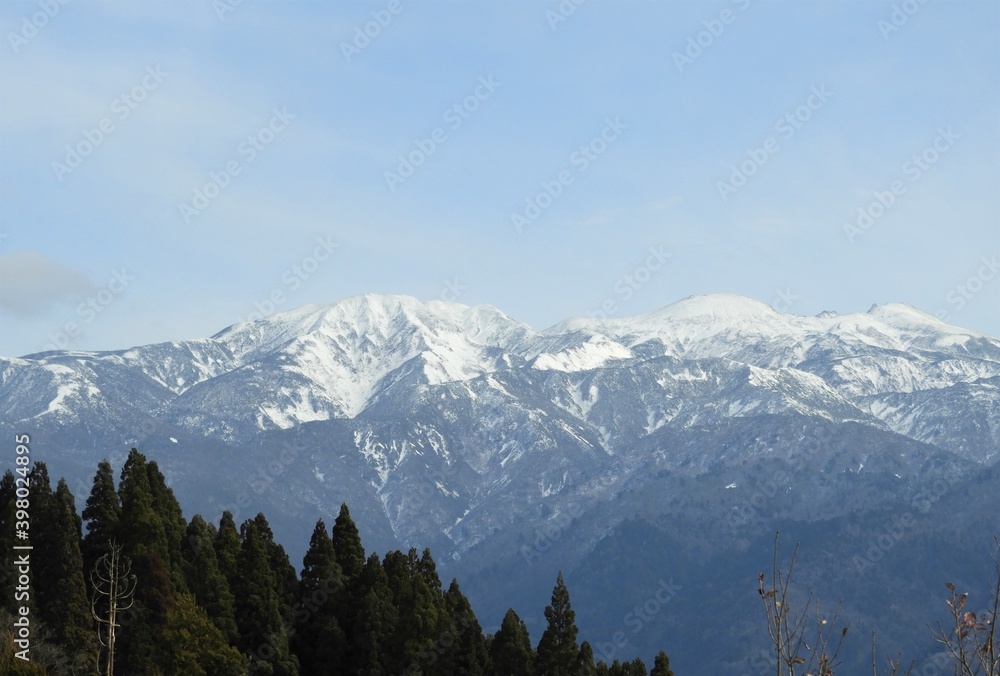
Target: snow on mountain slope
326, 362
461, 429
594, 353
894, 347
344, 351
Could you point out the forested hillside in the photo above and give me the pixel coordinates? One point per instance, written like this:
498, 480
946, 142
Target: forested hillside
192, 597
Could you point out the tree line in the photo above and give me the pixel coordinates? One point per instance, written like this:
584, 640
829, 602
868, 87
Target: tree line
197, 598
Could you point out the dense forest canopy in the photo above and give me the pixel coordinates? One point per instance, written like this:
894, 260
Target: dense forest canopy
133, 587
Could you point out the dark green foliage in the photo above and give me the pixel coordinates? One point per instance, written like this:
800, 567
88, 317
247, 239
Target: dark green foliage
103, 513
144, 543
205, 579
661, 665
375, 623
467, 652
585, 660
634, 668
421, 609
199, 648
511, 648
347, 545
319, 641
427, 569
264, 634
7, 513
60, 593
72, 625
558, 649
174, 525
227, 547
213, 601
284, 573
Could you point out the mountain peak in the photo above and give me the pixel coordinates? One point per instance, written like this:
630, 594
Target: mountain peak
901, 311
723, 305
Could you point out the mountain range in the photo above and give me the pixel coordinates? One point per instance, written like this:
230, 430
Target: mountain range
658, 452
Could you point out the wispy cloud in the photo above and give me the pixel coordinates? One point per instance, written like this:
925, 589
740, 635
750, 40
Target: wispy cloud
31, 284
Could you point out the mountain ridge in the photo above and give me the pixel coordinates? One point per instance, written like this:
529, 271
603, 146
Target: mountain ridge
459, 428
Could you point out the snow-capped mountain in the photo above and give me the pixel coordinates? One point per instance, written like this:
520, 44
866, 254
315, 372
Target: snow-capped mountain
334, 362
462, 429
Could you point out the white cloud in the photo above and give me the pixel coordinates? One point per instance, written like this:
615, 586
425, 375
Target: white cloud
31, 283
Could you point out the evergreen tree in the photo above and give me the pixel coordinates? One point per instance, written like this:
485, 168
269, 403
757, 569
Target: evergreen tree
557, 649
511, 648
8, 512
661, 665
319, 641
351, 558
284, 572
196, 646
467, 653
174, 525
376, 622
227, 548
635, 668
205, 579
102, 513
428, 569
585, 660
59, 590
144, 543
263, 633
71, 624
421, 610
347, 545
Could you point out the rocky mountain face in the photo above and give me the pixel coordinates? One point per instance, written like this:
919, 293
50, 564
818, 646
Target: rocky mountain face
639, 455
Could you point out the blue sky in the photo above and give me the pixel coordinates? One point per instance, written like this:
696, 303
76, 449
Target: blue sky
571, 159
